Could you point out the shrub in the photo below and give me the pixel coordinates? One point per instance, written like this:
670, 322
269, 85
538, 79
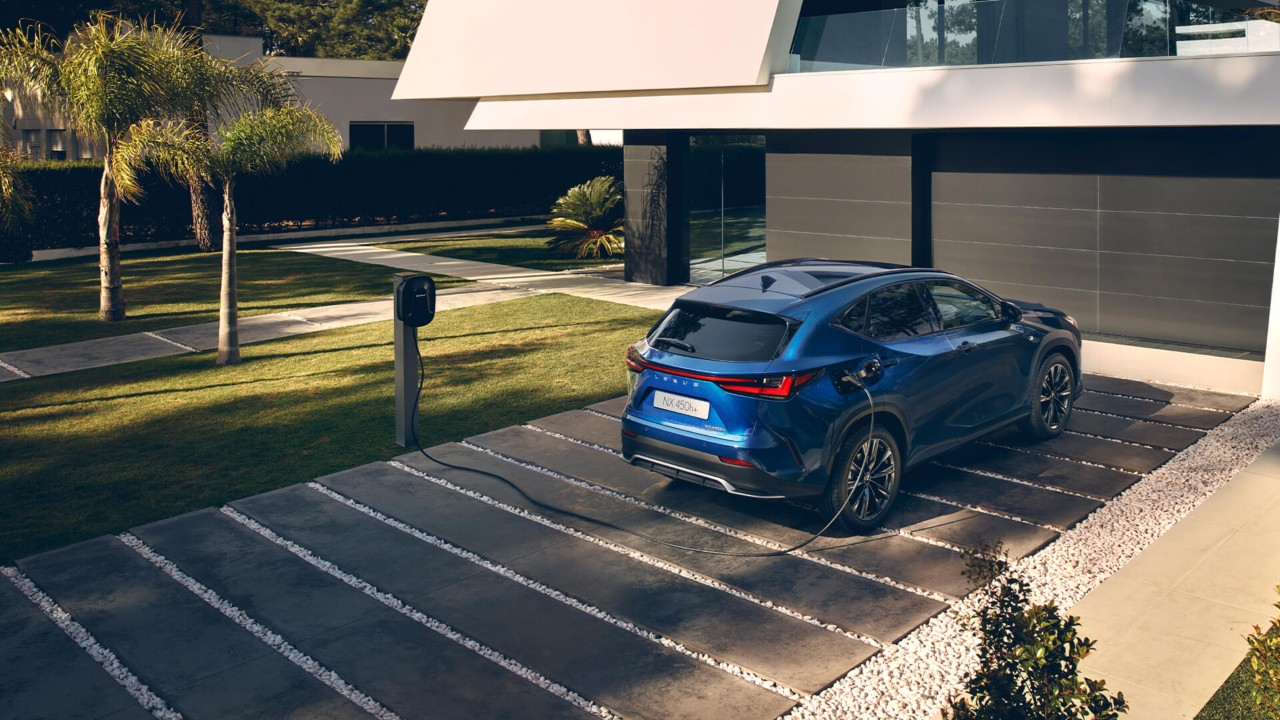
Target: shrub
365, 188
587, 220
1264, 661
1029, 658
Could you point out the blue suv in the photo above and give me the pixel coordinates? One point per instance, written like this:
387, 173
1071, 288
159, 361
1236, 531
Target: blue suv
765, 383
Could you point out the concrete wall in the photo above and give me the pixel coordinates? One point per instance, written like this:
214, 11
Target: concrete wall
657, 249
844, 196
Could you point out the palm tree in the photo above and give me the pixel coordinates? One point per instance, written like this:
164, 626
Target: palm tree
587, 220
15, 192
257, 141
105, 78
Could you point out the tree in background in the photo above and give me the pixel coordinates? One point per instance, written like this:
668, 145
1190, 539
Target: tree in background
15, 192
256, 141
108, 76
358, 29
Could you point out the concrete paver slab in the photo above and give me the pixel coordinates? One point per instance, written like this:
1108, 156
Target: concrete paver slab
1111, 453
917, 564
89, 354
43, 673
409, 668
449, 513
584, 426
1102, 483
965, 528
1136, 431
612, 407
172, 640
1152, 410
1230, 573
636, 677
861, 605
776, 646
1046, 507
1169, 393
6, 375
347, 314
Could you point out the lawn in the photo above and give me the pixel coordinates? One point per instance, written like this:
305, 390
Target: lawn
55, 302
528, 252
102, 450
1233, 701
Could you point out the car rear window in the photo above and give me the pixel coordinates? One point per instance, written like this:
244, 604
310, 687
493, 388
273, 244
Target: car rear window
721, 333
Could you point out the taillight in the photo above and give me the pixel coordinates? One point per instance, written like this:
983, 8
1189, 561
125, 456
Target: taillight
734, 461
773, 386
779, 386
634, 361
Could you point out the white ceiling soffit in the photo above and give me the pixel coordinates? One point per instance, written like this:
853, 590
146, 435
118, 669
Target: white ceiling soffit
485, 48
1188, 91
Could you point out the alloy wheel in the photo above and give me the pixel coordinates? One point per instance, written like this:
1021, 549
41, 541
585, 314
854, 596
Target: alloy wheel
871, 479
1055, 396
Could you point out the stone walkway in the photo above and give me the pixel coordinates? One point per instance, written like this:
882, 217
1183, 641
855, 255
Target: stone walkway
102, 352
415, 589
594, 288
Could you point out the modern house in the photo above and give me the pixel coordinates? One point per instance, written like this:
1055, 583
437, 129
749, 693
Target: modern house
1119, 159
354, 94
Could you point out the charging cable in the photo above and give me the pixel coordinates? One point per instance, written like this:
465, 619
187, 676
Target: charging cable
862, 469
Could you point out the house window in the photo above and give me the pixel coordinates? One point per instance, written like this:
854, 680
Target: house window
31, 144
84, 147
57, 144
381, 136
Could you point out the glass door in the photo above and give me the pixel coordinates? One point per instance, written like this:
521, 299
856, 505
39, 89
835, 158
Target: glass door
725, 201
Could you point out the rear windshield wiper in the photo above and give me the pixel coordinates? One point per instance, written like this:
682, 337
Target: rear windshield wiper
678, 344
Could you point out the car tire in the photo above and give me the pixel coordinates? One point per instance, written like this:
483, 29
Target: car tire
1052, 398
874, 489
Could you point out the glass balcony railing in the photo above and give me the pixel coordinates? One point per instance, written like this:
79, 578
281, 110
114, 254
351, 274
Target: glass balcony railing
931, 33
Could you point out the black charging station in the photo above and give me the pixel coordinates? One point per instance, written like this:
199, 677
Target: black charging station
414, 303
415, 300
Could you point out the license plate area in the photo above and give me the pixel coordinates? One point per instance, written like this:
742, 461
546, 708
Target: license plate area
700, 409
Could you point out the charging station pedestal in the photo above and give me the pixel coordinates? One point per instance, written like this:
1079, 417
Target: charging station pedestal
414, 306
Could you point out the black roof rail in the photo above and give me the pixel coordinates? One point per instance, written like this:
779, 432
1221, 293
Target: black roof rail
856, 278
762, 266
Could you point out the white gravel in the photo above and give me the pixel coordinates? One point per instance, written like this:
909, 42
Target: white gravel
87, 642
913, 679
258, 630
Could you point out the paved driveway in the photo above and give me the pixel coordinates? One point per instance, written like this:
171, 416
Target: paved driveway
412, 589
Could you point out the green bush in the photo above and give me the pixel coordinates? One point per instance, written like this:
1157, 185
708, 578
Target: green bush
1029, 659
1264, 661
364, 188
588, 220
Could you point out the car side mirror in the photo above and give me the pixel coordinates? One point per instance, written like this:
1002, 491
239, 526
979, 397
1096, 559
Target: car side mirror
1012, 313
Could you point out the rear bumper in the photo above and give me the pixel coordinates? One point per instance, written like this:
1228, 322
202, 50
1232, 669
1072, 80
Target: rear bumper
707, 470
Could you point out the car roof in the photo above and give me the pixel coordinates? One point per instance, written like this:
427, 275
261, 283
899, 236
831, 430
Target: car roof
781, 286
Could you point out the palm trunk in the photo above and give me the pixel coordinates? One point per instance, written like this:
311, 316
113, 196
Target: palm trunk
111, 297
200, 217
228, 326
584, 138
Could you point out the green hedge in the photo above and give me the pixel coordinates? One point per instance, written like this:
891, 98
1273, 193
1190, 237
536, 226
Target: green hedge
362, 189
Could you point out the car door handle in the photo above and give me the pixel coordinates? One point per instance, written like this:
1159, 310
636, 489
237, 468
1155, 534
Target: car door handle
966, 347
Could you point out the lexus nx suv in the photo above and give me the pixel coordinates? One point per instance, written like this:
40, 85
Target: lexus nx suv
828, 380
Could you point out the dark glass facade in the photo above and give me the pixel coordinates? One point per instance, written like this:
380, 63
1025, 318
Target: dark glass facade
858, 34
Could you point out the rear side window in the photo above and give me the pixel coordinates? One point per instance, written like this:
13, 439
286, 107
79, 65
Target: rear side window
719, 333
898, 312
